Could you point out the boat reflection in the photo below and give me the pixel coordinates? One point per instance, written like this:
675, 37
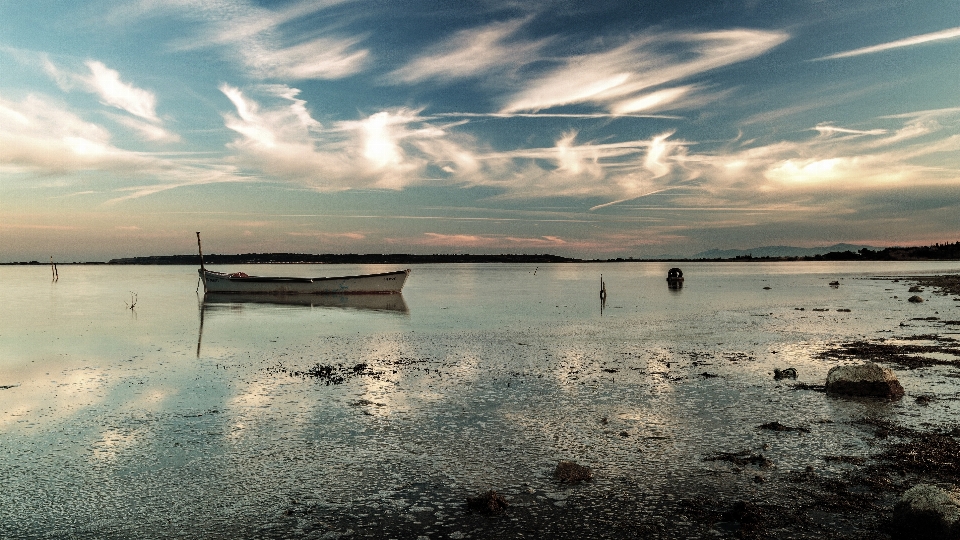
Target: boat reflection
231, 303
372, 302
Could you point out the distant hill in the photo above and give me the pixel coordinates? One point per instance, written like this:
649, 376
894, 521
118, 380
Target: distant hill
779, 251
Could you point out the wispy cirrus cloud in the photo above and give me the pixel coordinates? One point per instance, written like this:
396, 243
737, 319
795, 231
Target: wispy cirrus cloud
472, 53
106, 84
255, 36
112, 91
397, 148
388, 149
146, 130
827, 129
631, 77
39, 136
950, 33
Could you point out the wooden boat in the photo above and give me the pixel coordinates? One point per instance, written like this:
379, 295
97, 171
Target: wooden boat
239, 282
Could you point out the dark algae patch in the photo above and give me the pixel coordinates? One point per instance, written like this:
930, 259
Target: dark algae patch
907, 355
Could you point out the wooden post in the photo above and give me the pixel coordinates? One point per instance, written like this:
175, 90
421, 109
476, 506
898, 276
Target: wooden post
200, 249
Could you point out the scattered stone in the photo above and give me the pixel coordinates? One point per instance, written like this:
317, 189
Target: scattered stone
777, 426
807, 386
867, 380
924, 400
844, 310
915, 288
490, 502
926, 511
624, 434
834, 284
742, 458
853, 460
909, 356
706, 375
789, 373
571, 472
766, 288
915, 299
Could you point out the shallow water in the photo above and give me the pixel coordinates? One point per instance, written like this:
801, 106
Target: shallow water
184, 418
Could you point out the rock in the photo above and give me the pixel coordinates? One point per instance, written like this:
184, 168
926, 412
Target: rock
915, 299
915, 288
569, 471
834, 284
866, 379
490, 502
926, 511
789, 373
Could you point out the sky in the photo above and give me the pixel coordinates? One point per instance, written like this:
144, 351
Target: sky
596, 129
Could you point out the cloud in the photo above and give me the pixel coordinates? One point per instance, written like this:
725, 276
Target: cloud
254, 36
397, 148
38, 136
146, 130
950, 33
331, 236
603, 242
472, 53
106, 83
388, 149
828, 129
112, 91
623, 78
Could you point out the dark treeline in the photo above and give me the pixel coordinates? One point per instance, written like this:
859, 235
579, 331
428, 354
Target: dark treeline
370, 258
935, 252
920, 253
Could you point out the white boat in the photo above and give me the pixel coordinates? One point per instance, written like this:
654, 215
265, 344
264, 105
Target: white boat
239, 282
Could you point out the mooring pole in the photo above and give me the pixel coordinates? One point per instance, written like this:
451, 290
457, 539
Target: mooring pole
200, 249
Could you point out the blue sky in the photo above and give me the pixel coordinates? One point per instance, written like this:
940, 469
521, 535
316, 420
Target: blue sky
587, 129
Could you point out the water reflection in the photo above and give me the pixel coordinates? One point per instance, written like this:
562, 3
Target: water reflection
212, 303
375, 302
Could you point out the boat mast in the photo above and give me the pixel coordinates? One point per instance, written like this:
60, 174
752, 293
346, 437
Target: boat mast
200, 249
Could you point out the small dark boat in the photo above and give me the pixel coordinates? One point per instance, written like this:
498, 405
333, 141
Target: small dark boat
675, 278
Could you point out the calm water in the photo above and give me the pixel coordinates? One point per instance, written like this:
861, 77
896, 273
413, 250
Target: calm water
180, 418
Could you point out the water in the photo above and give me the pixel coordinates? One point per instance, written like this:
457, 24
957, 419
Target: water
180, 418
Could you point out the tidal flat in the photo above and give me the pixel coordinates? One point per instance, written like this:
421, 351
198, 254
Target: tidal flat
186, 417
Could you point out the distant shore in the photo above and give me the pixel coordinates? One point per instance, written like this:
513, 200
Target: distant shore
937, 252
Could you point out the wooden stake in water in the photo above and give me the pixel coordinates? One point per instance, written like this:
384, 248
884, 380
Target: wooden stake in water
53, 269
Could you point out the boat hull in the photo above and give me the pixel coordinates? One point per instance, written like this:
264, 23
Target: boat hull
385, 283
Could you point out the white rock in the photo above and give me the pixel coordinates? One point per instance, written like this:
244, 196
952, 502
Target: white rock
867, 379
